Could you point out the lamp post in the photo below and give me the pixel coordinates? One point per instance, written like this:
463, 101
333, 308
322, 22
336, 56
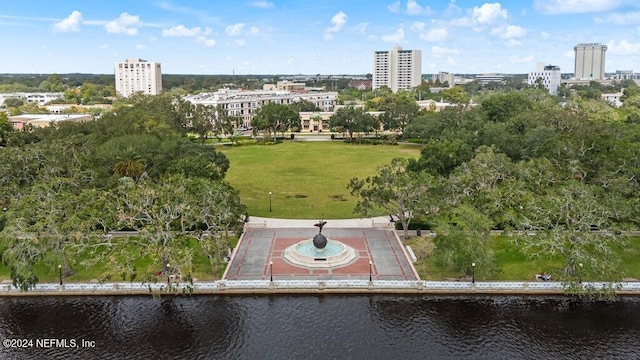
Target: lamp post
270, 201
473, 273
370, 271
271, 271
60, 273
580, 273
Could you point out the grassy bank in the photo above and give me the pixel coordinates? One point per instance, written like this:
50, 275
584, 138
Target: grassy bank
512, 264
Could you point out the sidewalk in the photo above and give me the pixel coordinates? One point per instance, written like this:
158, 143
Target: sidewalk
380, 221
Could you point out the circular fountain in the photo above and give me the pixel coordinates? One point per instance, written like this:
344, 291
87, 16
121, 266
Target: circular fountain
320, 252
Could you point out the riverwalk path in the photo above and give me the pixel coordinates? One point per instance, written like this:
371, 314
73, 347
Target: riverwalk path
387, 270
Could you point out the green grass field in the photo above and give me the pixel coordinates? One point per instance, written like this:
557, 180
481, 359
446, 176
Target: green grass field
308, 180
512, 264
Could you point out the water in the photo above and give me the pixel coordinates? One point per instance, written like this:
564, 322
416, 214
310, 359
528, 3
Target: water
308, 249
327, 327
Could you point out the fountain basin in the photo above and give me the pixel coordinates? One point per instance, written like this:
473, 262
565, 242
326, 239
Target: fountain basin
306, 254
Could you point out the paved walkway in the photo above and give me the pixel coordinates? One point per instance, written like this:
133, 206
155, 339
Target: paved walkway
379, 222
260, 251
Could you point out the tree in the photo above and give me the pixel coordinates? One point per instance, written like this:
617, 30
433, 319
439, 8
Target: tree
164, 213
273, 117
440, 157
5, 128
129, 164
396, 191
13, 102
565, 217
462, 240
47, 226
351, 120
202, 121
455, 95
399, 115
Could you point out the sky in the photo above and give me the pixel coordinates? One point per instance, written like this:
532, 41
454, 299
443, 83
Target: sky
312, 37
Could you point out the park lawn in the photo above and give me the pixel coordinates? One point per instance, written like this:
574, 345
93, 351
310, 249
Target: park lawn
513, 265
146, 268
308, 180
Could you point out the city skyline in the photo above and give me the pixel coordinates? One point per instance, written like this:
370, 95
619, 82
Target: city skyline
300, 37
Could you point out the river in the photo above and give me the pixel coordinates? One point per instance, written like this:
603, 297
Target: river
319, 327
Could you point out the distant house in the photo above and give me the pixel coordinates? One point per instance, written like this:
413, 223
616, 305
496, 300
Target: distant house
360, 84
613, 98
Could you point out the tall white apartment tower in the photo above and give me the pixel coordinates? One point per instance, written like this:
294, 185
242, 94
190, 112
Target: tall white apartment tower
397, 69
589, 61
134, 75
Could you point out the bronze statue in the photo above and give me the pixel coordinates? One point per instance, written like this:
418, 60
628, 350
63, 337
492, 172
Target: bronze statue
320, 225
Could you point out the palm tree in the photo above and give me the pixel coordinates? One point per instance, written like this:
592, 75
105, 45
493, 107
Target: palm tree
129, 164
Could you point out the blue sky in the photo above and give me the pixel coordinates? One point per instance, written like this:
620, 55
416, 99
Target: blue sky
311, 37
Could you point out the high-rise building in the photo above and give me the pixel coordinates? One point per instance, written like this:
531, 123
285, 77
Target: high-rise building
589, 62
548, 76
137, 75
444, 77
397, 69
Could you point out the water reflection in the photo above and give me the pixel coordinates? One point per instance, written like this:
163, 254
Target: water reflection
356, 327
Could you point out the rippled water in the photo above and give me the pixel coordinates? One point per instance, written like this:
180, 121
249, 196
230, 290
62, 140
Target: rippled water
307, 327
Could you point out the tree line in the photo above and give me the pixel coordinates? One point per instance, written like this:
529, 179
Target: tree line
65, 187
560, 177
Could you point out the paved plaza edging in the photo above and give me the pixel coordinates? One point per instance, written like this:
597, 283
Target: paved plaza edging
222, 287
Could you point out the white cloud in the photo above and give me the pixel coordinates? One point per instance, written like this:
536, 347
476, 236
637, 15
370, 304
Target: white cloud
235, 29
417, 26
206, 41
488, 14
239, 43
361, 28
337, 23
124, 24
544, 35
182, 31
514, 42
624, 47
552, 7
254, 31
394, 8
570, 54
630, 18
262, 4
413, 8
104, 46
435, 34
521, 60
509, 32
396, 37
437, 50
140, 47
70, 24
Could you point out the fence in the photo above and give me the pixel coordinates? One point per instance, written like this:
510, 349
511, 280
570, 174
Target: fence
291, 285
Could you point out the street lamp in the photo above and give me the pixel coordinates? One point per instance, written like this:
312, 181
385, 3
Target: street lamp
473, 273
271, 272
60, 273
270, 201
370, 271
580, 273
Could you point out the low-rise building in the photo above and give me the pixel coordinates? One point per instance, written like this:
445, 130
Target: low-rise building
40, 98
25, 121
613, 98
243, 103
